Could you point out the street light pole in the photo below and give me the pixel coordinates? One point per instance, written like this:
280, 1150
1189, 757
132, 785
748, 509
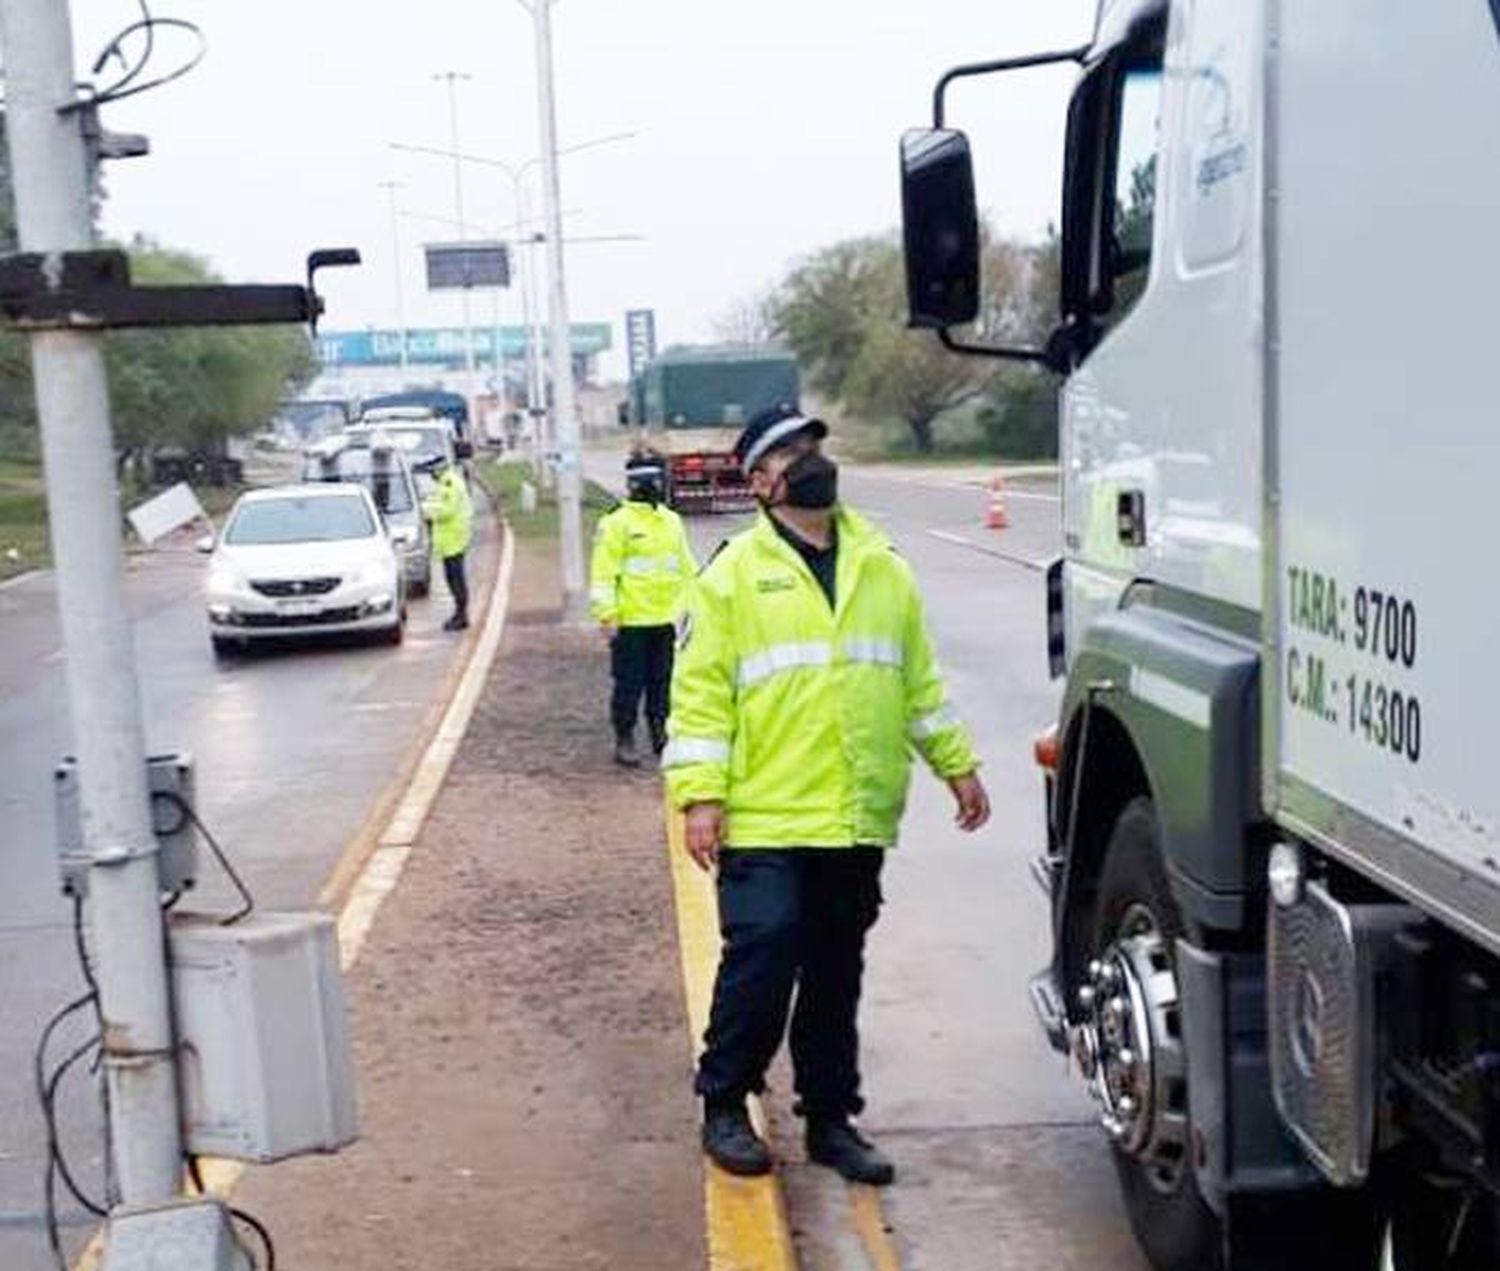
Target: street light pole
50, 173
564, 410
452, 78
390, 187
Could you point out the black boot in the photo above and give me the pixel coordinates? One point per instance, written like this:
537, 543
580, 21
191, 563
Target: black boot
458, 622
841, 1147
626, 754
731, 1141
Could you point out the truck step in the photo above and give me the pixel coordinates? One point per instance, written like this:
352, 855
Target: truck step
1045, 870
1047, 1002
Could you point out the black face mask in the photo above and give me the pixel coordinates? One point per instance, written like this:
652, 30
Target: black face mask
812, 482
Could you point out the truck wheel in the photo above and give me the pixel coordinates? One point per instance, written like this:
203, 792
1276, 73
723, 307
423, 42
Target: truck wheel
1131, 1050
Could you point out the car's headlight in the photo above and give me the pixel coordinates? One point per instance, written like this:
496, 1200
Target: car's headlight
226, 577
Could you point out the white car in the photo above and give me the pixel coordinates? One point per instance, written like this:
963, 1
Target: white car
303, 559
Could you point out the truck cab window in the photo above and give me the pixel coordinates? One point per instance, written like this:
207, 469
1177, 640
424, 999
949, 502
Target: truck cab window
1132, 213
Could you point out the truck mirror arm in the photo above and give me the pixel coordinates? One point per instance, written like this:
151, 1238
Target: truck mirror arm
939, 94
1060, 355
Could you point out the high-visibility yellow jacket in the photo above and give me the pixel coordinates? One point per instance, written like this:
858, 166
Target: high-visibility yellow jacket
641, 568
451, 513
800, 718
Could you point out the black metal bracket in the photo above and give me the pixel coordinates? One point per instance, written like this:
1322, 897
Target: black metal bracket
91, 290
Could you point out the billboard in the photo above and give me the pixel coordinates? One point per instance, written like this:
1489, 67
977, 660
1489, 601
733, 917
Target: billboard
455, 265
444, 346
640, 338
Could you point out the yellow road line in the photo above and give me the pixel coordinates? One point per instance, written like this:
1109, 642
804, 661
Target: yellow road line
746, 1217
381, 869
874, 1232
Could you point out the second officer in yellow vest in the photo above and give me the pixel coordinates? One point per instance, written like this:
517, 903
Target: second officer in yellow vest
804, 678
640, 572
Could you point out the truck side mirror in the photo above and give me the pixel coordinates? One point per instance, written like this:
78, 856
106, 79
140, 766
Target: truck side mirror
940, 228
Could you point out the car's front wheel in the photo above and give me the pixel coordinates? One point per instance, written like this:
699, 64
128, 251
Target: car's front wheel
226, 648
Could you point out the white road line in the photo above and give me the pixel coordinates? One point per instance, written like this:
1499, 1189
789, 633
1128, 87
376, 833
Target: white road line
984, 549
951, 538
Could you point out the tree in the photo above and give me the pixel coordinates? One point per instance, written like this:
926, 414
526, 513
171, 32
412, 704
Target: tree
843, 312
748, 320
826, 306
196, 387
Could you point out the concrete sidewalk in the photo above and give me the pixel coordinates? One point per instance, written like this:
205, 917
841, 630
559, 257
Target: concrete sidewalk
518, 1010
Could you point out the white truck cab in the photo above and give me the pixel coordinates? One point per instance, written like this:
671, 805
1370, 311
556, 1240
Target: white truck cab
1274, 865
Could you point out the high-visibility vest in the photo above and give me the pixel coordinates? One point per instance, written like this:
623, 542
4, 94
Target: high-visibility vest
451, 513
800, 717
641, 567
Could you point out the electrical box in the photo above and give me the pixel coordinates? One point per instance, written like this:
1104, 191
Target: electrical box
185, 1233
263, 1038
169, 778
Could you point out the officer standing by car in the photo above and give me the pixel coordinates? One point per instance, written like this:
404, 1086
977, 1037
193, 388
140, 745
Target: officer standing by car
452, 515
639, 575
804, 673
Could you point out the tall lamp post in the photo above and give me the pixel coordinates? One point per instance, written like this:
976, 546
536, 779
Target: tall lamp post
564, 408
535, 380
390, 187
452, 79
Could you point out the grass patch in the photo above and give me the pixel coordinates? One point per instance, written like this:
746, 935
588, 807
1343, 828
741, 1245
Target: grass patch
24, 544
506, 477
23, 518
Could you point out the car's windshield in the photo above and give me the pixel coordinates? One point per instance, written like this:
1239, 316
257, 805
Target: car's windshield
382, 477
422, 440
300, 520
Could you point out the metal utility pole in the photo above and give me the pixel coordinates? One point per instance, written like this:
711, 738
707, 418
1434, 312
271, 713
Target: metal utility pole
390, 187
564, 409
452, 78
49, 168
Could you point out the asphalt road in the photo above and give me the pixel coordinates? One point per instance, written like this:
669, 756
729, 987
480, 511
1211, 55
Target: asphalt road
292, 748
1001, 1163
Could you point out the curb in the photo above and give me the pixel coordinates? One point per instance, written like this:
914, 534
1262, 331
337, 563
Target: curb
378, 859
745, 1218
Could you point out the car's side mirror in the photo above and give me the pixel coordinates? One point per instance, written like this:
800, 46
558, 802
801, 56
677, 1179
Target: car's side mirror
205, 545
463, 449
940, 228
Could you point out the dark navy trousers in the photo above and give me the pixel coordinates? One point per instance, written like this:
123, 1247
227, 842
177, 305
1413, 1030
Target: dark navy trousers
793, 922
641, 664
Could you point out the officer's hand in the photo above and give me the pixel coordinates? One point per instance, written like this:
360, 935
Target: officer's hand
607, 630
973, 802
705, 827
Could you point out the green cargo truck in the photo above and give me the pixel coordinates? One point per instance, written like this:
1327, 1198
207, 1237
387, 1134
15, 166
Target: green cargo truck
690, 403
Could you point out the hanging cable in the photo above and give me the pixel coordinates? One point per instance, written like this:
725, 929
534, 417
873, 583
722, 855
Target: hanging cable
248, 900
130, 83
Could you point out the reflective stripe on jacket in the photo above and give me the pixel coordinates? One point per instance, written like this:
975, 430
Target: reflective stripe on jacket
641, 567
799, 718
451, 513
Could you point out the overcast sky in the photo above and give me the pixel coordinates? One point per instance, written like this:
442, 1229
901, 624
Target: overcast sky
765, 130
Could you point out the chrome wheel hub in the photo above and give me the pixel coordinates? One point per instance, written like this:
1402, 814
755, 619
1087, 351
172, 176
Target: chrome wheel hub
1128, 1044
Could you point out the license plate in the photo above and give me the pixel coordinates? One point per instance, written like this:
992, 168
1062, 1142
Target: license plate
298, 608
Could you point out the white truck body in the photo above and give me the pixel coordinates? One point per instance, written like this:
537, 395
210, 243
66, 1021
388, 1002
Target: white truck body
1384, 445
1321, 307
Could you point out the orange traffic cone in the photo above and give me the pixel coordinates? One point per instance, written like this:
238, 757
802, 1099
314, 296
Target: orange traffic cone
995, 515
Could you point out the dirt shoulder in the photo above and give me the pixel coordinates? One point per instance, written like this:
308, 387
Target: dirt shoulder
518, 1013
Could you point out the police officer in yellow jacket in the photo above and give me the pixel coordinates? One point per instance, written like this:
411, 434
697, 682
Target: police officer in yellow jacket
804, 677
452, 515
639, 575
